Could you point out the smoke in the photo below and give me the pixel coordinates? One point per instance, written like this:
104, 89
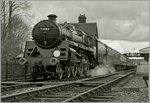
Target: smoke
102, 70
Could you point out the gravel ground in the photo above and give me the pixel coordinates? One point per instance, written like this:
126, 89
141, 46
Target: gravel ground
132, 89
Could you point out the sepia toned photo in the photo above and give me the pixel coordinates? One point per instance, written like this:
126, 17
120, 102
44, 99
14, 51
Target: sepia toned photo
75, 51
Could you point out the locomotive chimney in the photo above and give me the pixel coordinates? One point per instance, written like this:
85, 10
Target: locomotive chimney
52, 17
82, 18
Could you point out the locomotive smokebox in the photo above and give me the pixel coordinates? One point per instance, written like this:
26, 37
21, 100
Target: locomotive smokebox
52, 17
46, 33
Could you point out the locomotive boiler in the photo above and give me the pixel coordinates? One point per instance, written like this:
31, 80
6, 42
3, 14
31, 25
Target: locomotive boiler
48, 33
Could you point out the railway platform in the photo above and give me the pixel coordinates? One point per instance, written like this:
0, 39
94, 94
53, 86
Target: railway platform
132, 89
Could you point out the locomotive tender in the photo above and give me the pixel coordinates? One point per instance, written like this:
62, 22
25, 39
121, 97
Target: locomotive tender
67, 49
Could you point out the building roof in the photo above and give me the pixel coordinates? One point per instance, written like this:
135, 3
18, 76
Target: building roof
90, 28
144, 50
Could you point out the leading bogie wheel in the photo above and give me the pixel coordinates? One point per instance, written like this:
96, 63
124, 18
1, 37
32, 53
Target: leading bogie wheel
68, 71
73, 71
86, 69
59, 74
80, 70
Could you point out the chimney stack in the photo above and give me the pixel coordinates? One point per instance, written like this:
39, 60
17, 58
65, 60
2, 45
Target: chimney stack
82, 18
52, 17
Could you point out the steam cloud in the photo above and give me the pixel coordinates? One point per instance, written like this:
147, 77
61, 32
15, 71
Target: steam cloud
102, 70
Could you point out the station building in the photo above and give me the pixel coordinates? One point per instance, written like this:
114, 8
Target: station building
143, 64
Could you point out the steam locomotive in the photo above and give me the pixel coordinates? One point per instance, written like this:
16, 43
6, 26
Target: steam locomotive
68, 49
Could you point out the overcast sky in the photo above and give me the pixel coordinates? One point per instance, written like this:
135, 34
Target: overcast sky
123, 25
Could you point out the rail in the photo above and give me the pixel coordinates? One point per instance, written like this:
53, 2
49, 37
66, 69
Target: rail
33, 93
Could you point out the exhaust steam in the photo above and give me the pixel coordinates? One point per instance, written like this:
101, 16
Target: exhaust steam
102, 70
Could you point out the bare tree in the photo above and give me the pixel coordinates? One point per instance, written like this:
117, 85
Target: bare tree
14, 29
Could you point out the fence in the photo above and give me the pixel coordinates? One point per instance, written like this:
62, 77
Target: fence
14, 71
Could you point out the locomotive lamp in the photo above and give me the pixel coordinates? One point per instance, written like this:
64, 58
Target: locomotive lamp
56, 53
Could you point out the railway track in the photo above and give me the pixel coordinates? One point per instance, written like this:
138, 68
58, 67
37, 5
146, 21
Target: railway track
52, 80
13, 86
68, 91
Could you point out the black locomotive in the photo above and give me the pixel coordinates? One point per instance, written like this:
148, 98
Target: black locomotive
68, 49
